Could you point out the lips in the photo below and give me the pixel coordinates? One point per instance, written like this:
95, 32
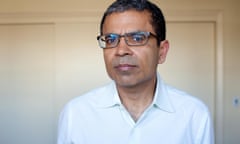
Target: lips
125, 67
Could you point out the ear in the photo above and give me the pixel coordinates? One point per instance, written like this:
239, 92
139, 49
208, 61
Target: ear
164, 46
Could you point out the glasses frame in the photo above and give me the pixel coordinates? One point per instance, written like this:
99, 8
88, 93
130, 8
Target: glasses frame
125, 36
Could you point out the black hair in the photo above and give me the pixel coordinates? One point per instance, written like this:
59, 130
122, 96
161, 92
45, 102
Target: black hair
157, 18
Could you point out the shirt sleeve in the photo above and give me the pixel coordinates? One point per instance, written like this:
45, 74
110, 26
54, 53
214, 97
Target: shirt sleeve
205, 133
64, 127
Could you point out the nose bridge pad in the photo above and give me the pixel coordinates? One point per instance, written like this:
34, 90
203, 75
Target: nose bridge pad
126, 40
122, 39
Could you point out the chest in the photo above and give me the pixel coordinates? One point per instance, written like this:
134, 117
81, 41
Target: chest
116, 126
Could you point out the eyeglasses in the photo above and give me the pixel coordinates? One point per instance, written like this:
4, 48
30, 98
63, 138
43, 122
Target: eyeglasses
132, 39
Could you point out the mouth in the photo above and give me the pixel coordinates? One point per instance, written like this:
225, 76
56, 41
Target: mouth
125, 67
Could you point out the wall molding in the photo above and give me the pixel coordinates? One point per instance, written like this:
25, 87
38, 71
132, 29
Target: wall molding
172, 16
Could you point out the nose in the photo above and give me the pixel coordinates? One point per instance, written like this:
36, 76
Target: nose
122, 48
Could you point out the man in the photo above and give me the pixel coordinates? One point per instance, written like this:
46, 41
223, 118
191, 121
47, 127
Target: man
137, 107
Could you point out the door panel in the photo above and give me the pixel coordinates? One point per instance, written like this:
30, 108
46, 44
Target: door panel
190, 64
26, 83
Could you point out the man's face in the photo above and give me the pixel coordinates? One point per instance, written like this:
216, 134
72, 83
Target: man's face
131, 66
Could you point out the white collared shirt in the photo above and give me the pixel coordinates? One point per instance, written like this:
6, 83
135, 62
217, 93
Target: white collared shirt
98, 117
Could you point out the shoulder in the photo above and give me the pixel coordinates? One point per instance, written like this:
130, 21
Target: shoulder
90, 98
190, 109
184, 101
181, 101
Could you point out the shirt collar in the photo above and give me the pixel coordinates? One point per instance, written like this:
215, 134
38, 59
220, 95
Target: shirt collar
110, 97
161, 98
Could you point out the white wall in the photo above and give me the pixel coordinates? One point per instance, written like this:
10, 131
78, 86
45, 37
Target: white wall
231, 44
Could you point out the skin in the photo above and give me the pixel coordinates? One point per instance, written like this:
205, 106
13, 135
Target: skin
133, 68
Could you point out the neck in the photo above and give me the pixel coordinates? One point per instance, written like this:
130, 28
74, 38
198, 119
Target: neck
137, 99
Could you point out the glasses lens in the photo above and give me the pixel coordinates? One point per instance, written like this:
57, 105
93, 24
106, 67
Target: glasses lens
108, 41
137, 38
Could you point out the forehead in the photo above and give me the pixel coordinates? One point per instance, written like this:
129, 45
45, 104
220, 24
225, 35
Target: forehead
127, 21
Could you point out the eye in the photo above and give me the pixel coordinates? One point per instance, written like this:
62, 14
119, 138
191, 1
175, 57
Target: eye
111, 38
138, 37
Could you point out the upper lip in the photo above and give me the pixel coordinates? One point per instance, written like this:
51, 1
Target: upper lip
124, 67
125, 64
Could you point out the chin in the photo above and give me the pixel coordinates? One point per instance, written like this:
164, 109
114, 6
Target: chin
126, 83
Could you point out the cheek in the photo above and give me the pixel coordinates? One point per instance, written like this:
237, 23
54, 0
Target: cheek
108, 60
150, 63
149, 57
107, 54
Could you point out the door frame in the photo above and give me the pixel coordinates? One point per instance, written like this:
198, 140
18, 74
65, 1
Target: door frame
213, 16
